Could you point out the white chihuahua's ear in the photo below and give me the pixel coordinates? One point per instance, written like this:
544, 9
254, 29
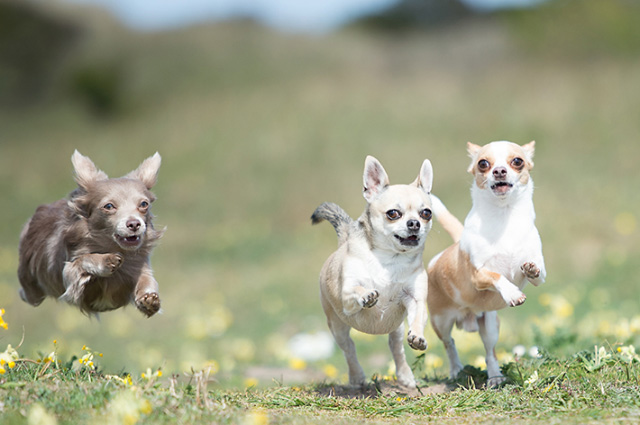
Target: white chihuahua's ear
375, 179
424, 180
85, 170
147, 172
528, 149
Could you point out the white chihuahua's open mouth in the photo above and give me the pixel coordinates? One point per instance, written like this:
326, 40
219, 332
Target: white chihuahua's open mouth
412, 240
128, 242
501, 188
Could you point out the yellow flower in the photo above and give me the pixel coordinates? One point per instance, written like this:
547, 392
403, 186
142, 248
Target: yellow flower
256, 417
330, 370
3, 324
297, 364
2, 370
433, 361
250, 382
38, 415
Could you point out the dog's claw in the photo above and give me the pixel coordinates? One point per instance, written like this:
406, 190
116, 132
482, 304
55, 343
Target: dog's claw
416, 342
370, 299
518, 301
495, 381
149, 303
530, 270
113, 262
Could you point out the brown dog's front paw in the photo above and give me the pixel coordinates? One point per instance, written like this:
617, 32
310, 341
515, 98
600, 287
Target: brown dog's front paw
149, 303
416, 342
112, 262
370, 299
530, 270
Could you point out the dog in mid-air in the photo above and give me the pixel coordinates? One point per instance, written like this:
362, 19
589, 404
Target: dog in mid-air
92, 249
495, 254
376, 278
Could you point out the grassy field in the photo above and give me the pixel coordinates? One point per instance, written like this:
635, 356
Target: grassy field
256, 129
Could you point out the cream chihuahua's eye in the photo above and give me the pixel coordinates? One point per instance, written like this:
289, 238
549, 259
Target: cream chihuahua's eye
394, 214
483, 165
426, 214
144, 204
109, 206
517, 162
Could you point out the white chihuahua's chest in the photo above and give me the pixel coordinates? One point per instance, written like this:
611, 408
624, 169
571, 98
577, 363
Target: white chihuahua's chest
502, 240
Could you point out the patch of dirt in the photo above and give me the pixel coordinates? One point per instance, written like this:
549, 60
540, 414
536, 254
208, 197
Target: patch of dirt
382, 388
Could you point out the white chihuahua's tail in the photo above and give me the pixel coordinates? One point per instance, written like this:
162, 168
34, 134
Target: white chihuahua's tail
451, 224
335, 215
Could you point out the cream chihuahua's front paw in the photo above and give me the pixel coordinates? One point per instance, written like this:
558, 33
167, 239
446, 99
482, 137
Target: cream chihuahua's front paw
416, 342
370, 299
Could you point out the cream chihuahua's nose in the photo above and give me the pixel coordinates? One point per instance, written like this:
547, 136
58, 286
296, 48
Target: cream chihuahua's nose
500, 173
413, 225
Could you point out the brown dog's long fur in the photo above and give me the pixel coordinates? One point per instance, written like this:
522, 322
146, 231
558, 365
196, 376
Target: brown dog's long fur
92, 249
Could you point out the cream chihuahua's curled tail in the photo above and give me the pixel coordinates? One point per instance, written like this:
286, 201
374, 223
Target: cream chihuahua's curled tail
451, 224
335, 215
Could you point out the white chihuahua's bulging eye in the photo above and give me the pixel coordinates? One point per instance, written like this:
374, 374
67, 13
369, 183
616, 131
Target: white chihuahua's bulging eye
517, 163
109, 207
426, 214
483, 165
394, 215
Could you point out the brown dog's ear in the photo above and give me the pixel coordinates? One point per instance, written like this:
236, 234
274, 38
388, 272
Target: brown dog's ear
424, 180
147, 172
375, 178
85, 170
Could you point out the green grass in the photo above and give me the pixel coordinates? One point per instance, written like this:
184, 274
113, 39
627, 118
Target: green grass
256, 129
599, 385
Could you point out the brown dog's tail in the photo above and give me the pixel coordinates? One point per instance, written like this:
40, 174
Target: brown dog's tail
450, 223
335, 215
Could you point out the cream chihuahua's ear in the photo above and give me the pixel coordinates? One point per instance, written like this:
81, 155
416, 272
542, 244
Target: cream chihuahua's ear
375, 179
86, 171
424, 180
147, 172
473, 150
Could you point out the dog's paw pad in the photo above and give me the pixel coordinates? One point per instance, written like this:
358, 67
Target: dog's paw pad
370, 299
113, 262
149, 303
416, 342
495, 381
530, 270
518, 301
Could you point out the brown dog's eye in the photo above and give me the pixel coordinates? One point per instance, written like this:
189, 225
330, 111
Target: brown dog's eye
483, 165
109, 207
517, 163
426, 214
394, 214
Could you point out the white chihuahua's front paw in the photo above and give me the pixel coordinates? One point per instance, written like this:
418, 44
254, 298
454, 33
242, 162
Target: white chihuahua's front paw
530, 270
513, 296
369, 300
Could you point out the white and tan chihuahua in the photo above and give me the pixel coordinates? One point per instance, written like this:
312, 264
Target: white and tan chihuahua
376, 278
495, 254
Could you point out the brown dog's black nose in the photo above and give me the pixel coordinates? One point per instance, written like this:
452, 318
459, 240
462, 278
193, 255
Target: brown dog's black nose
133, 224
500, 173
413, 224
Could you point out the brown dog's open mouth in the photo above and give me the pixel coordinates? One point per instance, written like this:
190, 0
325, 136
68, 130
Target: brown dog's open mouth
412, 240
128, 241
501, 188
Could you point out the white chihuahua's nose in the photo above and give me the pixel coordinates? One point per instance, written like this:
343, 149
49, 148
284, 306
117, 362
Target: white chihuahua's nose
413, 225
500, 173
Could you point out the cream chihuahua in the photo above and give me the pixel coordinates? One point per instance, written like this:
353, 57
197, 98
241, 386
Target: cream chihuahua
92, 250
495, 254
376, 278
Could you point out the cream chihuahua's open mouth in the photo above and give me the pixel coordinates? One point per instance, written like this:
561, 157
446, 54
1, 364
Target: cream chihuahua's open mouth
412, 240
501, 188
128, 241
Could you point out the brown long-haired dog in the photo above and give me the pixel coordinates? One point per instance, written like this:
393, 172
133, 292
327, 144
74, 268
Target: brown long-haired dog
92, 249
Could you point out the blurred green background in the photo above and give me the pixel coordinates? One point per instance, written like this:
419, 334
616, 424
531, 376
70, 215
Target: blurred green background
257, 127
